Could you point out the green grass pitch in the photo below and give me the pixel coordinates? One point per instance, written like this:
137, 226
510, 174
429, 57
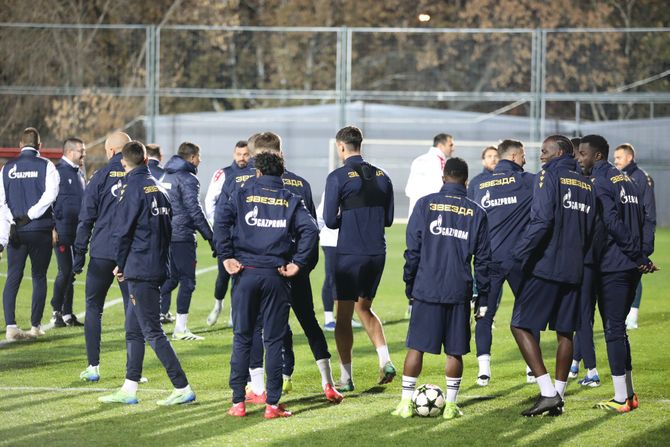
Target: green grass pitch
43, 402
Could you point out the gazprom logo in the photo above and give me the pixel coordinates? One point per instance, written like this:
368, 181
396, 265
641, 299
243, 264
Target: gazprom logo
159, 210
486, 201
437, 229
251, 218
14, 173
568, 204
626, 198
115, 189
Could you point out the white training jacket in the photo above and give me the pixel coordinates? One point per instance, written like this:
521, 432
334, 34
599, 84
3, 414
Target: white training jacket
327, 236
425, 176
213, 193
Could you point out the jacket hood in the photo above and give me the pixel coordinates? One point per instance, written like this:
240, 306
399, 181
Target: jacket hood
176, 164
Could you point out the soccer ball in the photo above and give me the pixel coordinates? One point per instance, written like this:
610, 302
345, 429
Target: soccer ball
428, 401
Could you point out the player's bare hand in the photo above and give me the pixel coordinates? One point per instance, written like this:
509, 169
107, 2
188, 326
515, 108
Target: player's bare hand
232, 266
54, 237
289, 270
118, 274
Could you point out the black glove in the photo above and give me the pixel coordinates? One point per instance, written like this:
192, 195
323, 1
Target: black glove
13, 236
213, 247
79, 261
408, 290
22, 221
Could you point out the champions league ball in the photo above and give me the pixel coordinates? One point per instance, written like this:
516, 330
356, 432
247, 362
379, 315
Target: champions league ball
428, 401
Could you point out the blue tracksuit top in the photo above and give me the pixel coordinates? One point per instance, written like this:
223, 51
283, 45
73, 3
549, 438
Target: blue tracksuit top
143, 227
98, 210
476, 180
622, 214
506, 194
359, 209
68, 203
645, 185
259, 224
155, 168
562, 217
183, 187
445, 231
236, 177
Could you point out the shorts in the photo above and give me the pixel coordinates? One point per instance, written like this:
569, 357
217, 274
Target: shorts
541, 302
358, 276
436, 325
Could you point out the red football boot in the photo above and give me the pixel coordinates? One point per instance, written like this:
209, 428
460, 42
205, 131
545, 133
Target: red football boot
239, 410
632, 402
332, 395
253, 398
276, 411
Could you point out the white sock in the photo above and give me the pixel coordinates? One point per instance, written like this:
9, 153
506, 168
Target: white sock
528, 370
185, 389
328, 317
130, 386
629, 384
67, 317
592, 372
345, 372
384, 356
547, 388
12, 326
96, 368
180, 323
409, 308
453, 385
620, 391
326, 372
218, 305
408, 387
484, 365
633, 313
257, 380
560, 387
285, 377
575, 364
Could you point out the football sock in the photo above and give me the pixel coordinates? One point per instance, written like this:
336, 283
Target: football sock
575, 364
528, 370
257, 385
560, 387
453, 385
12, 326
408, 387
326, 372
130, 386
328, 316
285, 377
620, 392
592, 372
629, 384
218, 305
547, 388
633, 313
185, 389
484, 365
67, 317
180, 323
345, 372
384, 356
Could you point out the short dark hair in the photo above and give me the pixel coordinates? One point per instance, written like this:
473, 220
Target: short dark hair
30, 137
456, 168
488, 148
269, 163
563, 143
134, 153
267, 141
627, 147
71, 143
441, 138
507, 145
575, 142
241, 143
597, 142
153, 150
351, 136
188, 149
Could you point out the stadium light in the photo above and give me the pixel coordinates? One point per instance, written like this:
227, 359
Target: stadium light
424, 17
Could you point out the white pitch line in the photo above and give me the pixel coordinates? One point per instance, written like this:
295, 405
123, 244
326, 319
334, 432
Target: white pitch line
108, 304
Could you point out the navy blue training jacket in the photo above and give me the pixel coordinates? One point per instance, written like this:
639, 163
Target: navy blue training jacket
506, 194
68, 203
98, 209
155, 168
645, 185
562, 218
183, 187
259, 224
622, 214
360, 210
445, 231
143, 228
235, 179
476, 180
